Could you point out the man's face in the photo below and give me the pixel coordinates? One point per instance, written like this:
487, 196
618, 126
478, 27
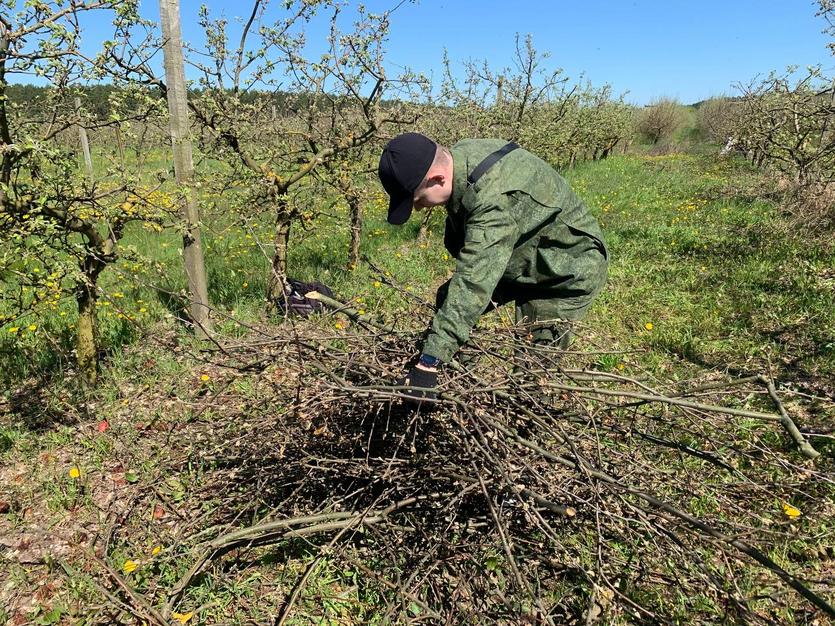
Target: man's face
433, 191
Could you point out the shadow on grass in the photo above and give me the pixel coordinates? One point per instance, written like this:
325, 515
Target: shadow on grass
46, 391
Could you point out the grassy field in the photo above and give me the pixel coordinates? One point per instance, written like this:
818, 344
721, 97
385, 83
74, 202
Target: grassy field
704, 277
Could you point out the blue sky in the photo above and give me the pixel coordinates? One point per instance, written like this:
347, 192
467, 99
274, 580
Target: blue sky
651, 48
648, 48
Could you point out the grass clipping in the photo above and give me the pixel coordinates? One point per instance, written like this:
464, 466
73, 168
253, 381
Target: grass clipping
536, 490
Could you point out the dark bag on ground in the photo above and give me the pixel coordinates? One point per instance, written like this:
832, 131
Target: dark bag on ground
294, 301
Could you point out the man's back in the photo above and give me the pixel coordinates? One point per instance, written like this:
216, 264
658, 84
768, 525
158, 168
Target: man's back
538, 198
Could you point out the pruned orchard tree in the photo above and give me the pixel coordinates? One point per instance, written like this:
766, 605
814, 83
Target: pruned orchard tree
660, 119
59, 227
352, 177
594, 124
788, 124
488, 102
718, 120
314, 106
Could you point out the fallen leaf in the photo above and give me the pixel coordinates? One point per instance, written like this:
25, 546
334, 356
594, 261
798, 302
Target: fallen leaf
158, 511
183, 617
102, 426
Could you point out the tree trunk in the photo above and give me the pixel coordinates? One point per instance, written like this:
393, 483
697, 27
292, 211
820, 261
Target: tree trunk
86, 341
278, 273
423, 233
356, 231
184, 165
85, 143
120, 143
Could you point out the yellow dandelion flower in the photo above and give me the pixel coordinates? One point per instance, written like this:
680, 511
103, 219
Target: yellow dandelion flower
361, 311
74, 472
338, 326
649, 326
183, 617
377, 283
790, 511
156, 550
33, 327
129, 566
13, 329
204, 377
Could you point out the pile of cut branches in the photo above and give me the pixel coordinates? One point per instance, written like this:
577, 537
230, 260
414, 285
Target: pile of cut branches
537, 489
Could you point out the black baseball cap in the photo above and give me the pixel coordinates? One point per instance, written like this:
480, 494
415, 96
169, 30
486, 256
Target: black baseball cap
403, 165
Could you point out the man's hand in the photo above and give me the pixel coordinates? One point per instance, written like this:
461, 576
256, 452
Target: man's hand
421, 381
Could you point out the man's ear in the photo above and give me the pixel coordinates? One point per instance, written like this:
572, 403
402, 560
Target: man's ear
436, 178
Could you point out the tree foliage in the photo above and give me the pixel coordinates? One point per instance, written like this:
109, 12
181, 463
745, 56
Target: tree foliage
717, 119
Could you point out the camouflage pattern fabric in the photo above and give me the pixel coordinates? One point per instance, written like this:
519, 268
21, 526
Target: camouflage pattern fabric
519, 234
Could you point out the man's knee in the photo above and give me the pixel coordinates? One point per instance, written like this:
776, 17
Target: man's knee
441, 295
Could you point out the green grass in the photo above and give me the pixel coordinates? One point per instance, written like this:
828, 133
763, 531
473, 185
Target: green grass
698, 279
724, 283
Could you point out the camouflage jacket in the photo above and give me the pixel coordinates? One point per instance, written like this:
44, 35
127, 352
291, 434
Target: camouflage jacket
520, 225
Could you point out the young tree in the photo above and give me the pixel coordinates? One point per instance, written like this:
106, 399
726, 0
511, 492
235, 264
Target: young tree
351, 175
528, 102
504, 102
660, 119
59, 230
717, 119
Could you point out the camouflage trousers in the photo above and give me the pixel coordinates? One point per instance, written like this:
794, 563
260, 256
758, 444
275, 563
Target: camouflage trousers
549, 313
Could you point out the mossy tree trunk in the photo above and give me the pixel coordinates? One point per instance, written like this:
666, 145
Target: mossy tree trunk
87, 335
281, 240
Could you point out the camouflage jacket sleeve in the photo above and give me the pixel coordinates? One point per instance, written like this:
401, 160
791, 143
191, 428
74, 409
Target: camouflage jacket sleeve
490, 235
